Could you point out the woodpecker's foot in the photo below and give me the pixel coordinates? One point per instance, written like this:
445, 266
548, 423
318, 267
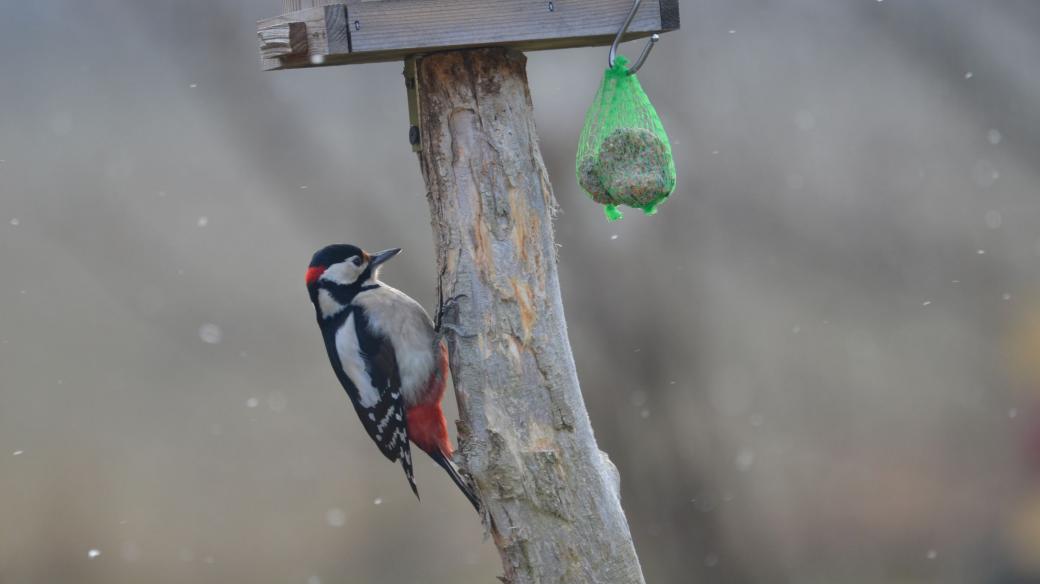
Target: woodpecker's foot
449, 311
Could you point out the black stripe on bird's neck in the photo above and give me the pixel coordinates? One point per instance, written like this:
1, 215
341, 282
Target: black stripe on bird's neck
345, 293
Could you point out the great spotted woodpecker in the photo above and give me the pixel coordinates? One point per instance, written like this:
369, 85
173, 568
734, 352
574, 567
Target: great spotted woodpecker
386, 354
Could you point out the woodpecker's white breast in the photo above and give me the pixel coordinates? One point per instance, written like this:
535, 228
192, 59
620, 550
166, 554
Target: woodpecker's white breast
349, 350
395, 315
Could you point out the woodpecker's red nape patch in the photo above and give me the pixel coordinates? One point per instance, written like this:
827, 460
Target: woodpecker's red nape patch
314, 273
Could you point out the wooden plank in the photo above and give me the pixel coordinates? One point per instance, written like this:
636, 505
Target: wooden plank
390, 30
425, 25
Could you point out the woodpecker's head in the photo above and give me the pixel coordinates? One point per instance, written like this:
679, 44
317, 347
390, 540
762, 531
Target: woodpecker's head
346, 265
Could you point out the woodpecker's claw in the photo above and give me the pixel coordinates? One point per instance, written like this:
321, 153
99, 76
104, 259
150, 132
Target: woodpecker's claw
451, 304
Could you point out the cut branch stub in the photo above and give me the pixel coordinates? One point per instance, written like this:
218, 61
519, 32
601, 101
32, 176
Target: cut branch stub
527, 440
281, 40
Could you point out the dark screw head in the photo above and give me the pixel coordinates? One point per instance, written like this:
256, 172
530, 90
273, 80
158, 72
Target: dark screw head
413, 135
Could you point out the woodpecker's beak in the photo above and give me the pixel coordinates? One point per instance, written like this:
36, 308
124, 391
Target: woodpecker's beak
382, 256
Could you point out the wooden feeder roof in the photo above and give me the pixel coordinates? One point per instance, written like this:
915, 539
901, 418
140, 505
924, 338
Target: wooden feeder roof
391, 30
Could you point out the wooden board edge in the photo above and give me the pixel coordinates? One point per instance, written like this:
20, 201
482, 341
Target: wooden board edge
669, 15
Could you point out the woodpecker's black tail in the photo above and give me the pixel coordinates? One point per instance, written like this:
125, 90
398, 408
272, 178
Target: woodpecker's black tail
453, 472
406, 464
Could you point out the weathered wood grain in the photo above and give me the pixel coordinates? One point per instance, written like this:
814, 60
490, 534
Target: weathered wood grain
389, 30
291, 5
422, 25
525, 436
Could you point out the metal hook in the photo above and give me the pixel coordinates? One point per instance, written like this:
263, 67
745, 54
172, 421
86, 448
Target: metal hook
617, 41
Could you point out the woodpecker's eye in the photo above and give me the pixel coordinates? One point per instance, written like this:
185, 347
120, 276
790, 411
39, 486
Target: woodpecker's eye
356, 260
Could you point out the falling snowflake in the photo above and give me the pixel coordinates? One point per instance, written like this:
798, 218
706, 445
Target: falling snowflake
203, 221
93, 553
984, 174
210, 333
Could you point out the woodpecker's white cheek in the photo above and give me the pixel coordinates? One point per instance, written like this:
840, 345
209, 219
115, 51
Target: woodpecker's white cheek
342, 273
350, 359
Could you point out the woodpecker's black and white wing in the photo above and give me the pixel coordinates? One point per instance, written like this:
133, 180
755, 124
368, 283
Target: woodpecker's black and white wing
366, 365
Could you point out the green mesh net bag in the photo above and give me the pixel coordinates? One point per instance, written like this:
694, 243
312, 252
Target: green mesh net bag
624, 157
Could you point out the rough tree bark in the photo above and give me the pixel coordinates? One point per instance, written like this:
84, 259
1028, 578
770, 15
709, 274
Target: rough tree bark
525, 436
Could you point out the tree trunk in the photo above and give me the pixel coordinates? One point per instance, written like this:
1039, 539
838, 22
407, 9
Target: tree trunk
525, 436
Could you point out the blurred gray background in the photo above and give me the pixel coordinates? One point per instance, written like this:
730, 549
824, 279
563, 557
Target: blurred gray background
817, 363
